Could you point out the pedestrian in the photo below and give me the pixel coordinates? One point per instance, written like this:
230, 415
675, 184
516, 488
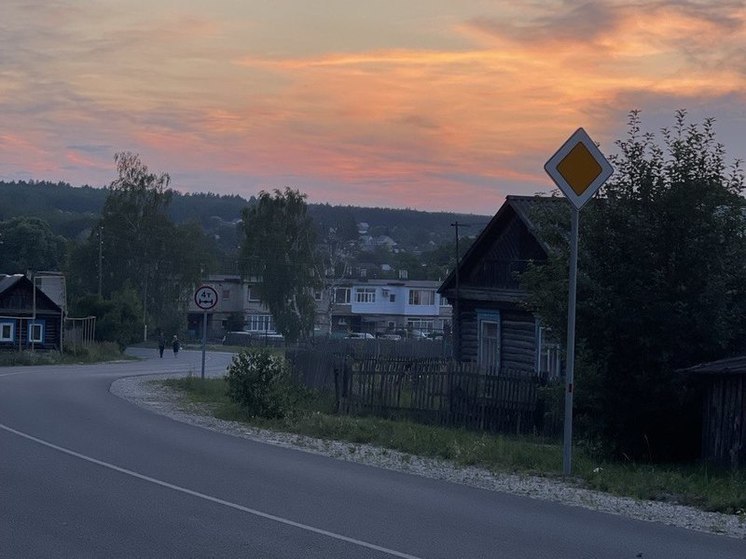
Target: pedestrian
176, 345
161, 344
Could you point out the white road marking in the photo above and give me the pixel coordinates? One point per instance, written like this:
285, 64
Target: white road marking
209, 498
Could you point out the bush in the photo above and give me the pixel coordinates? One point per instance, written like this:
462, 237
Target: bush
260, 382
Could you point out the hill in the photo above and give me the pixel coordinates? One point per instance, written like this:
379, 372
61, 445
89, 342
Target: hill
71, 211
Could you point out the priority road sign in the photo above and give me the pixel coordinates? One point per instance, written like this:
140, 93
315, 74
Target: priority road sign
579, 168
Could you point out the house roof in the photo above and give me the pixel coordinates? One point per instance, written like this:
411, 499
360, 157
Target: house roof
730, 366
523, 207
8, 282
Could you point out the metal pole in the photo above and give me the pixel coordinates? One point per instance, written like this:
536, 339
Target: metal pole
204, 342
567, 447
100, 257
455, 330
145, 311
30, 330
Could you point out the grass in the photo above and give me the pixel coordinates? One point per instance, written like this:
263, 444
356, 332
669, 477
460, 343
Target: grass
95, 353
694, 485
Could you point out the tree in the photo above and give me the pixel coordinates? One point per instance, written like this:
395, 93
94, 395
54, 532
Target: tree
117, 318
135, 225
27, 243
279, 248
662, 265
334, 263
137, 245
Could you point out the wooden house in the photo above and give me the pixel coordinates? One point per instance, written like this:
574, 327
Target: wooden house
491, 326
28, 317
723, 386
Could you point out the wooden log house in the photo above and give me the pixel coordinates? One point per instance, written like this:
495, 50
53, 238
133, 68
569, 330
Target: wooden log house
491, 327
29, 319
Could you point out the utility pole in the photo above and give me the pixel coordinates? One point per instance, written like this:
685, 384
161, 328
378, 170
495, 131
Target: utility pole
455, 319
100, 257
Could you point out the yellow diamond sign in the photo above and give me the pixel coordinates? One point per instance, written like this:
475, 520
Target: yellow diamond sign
579, 168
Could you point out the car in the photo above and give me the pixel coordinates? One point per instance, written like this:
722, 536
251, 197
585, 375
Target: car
390, 337
359, 336
237, 338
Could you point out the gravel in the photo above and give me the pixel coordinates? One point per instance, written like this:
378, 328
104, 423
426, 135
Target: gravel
165, 401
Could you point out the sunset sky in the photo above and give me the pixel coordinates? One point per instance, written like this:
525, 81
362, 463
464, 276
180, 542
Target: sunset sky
426, 104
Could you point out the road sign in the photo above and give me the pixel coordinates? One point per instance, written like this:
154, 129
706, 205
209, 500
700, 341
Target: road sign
205, 297
579, 168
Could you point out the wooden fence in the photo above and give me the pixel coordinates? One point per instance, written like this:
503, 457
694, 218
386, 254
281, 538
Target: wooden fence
437, 391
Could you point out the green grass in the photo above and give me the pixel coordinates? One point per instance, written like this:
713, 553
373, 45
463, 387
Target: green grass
95, 353
694, 485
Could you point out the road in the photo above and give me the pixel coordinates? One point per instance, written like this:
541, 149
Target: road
84, 473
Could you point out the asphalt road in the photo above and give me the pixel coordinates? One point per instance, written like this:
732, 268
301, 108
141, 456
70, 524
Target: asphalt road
86, 474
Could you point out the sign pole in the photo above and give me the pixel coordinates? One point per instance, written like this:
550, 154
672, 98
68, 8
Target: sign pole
204, 342
205, 298
570, 373
579, 169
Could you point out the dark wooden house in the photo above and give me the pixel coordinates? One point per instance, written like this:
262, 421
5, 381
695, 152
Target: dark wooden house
491, 327
28, 317
723, 386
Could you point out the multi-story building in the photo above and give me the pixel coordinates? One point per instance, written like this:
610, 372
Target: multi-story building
348, 305
381, 306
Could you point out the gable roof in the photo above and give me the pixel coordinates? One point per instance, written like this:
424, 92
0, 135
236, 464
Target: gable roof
8, 282
523, 207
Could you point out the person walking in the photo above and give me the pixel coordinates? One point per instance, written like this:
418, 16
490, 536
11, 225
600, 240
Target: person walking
161, 344
176, 346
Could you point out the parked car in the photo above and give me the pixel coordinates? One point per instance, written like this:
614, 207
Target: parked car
237, 338
360, 336
390, 336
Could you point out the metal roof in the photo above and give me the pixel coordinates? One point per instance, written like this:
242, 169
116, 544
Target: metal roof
730, 366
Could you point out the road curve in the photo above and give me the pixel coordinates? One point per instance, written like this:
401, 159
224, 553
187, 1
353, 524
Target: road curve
86, 474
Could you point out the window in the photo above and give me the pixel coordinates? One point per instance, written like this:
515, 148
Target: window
252, 295
317, 295
342, 295
392, 298
7, 331
365, 295
36, 332
444, 301
489, 345
548, 354
260, 323
489, 341
421, 297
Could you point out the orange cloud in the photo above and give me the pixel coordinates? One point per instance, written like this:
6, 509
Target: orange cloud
457, 110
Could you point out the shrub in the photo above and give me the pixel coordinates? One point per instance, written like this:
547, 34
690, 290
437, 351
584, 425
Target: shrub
260, 382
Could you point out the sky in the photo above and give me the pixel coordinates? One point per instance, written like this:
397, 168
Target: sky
434, 105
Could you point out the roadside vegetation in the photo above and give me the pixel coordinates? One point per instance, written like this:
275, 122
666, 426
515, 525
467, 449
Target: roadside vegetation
95, 353
257, 391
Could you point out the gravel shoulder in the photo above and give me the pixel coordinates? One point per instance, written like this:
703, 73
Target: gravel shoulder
140, 391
